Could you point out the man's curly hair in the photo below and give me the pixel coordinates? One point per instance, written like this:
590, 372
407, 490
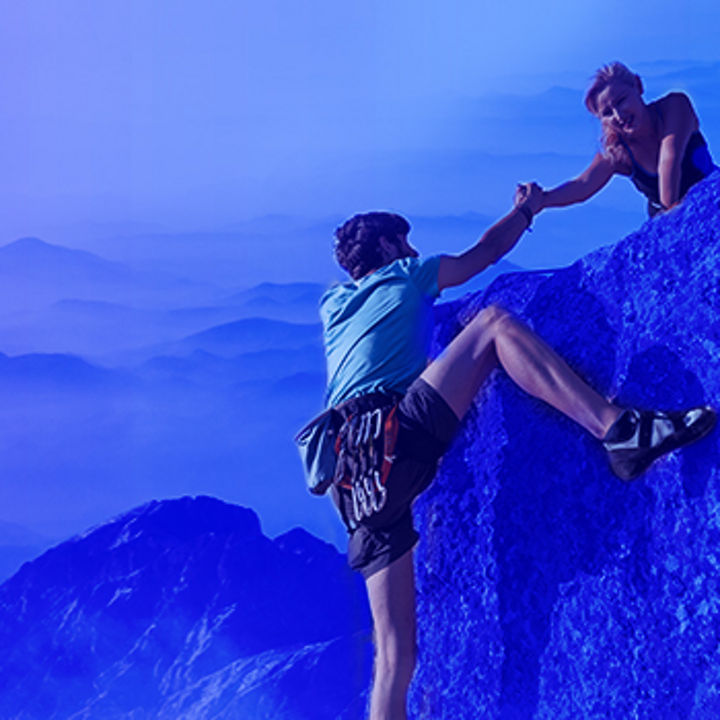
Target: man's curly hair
357, 247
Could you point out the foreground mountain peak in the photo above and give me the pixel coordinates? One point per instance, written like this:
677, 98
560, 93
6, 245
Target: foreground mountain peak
139, 614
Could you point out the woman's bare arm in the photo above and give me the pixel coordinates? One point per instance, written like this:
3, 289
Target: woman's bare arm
678, 123
584, 186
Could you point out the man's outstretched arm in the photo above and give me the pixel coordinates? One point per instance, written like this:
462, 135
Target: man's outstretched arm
496, 242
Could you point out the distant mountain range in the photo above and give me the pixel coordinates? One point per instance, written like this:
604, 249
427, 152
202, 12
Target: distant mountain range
34, 273
250, 335
57, 373
60, 300
297, 302
123, 383
184, 609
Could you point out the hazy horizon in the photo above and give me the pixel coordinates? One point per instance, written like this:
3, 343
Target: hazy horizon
208, 149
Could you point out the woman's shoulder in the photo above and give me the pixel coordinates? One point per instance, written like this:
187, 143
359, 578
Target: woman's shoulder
675, 107
612, 159
673, 102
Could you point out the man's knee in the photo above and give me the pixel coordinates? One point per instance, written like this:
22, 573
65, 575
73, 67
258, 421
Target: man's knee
492, 319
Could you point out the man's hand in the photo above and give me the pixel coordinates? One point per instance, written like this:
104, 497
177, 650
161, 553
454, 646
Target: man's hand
531, 195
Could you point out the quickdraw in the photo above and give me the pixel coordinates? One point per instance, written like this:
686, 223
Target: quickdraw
365, 447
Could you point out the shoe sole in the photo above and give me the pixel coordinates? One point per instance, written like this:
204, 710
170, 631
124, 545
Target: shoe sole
630, 464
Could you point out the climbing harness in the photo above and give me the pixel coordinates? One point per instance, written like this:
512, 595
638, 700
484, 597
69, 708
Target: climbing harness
365, 448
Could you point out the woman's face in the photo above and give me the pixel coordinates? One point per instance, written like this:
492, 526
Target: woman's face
621, 107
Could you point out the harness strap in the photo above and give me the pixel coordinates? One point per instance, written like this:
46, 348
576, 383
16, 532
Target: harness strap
365, 447
391, 434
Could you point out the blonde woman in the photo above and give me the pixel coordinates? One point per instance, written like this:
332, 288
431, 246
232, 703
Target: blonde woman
658, 145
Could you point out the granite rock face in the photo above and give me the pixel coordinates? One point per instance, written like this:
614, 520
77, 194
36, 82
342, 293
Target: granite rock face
548, 589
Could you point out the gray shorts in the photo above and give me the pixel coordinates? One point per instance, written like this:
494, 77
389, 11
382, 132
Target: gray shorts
426, 426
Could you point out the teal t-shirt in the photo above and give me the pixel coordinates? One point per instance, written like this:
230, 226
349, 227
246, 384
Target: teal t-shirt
377, 330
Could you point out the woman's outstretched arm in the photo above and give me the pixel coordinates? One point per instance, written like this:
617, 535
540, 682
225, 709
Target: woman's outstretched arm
584, 186
678, 123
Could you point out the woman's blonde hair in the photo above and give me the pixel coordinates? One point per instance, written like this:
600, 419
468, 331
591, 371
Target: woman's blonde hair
613, 72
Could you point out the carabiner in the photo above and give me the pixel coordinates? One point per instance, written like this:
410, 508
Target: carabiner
382, 491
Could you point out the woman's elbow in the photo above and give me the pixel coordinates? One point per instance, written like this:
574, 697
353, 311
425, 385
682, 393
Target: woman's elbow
581, 190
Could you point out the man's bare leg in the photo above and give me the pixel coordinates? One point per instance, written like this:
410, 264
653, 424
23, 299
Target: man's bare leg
392, 602
495, 337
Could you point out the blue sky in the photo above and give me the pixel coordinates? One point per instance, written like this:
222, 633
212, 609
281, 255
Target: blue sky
186, 115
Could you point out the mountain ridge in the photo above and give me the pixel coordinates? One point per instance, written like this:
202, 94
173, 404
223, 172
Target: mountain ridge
154, 608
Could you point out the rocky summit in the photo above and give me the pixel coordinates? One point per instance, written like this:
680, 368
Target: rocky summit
184, 609
549, 589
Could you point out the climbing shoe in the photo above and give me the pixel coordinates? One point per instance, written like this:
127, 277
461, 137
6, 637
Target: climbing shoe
639, 437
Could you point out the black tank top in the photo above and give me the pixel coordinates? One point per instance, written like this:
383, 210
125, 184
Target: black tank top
696, 165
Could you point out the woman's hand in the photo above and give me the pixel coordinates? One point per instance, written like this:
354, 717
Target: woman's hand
531, 195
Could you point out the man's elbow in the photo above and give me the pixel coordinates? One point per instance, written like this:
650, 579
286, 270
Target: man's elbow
451, 273
457, 270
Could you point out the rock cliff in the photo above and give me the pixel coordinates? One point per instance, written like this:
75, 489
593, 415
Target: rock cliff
548, 588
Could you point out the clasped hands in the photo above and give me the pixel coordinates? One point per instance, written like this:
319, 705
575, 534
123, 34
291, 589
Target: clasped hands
530, 195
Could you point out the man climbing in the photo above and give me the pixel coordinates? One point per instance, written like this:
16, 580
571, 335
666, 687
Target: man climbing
399, 413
